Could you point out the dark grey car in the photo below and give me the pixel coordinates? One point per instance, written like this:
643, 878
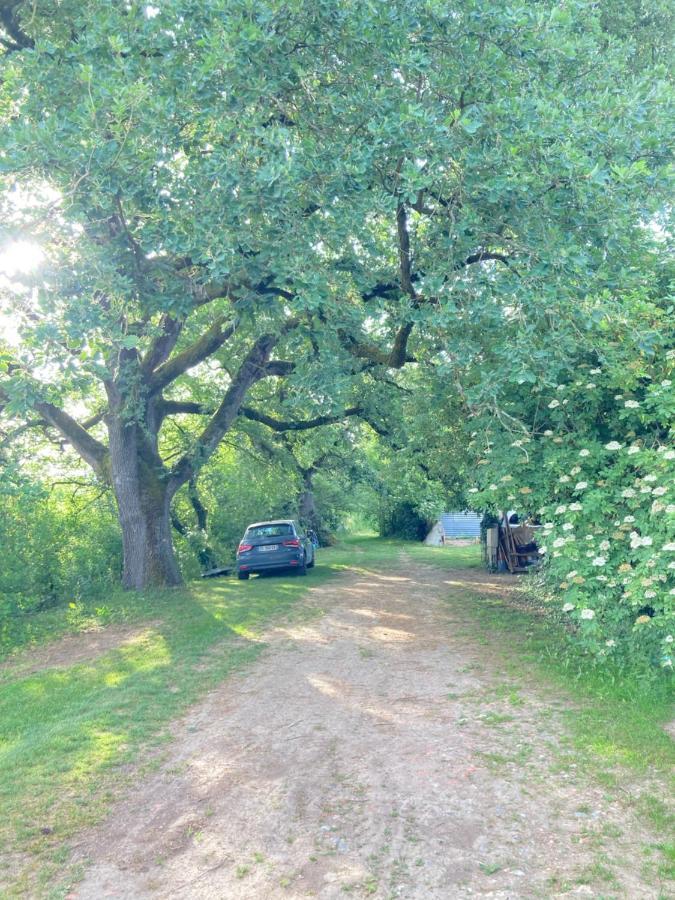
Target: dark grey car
280, 544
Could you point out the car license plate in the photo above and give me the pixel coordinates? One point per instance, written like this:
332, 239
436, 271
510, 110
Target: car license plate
268, 547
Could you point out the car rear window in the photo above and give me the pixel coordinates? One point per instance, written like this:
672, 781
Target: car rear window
276, 530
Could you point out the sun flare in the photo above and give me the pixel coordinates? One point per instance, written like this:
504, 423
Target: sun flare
20, 257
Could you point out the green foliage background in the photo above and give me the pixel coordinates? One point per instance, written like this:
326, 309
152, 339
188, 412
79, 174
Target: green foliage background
443, 219
56, 547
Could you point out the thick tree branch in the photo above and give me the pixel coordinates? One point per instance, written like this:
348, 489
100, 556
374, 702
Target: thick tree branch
178, 524
405, 263
205, 554
95, 419
206, 293
279, 367
92, 451
396, 358
382, 289
190, 407
267, 286
9, 437
389, 289
164, 343
9, 23
213, 338
182, 407
298, 425
377, 428
398, 355
252, 369
482, 256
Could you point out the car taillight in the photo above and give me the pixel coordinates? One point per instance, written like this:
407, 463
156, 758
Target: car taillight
243, 547
292, 543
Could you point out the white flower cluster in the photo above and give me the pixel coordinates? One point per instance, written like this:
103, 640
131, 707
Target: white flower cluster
618, 542
637, 540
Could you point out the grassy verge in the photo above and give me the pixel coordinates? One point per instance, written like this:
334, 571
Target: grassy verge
618, 714
69, 733
615, 717
372, 551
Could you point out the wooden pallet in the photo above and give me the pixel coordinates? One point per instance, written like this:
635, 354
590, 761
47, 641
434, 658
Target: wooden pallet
508, 550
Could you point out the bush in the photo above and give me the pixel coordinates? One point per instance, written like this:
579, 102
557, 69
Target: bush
403, 521
55, 547
583, 439
599, 470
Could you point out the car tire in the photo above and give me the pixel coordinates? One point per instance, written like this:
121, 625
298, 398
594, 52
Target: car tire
310, 565
302, 568
242, 576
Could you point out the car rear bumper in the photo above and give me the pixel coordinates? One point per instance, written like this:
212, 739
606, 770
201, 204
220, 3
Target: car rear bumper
265, 565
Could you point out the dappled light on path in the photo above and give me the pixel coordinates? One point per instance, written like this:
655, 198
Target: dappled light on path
374, 750
390, 635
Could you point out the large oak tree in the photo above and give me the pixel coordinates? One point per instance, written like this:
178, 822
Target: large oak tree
229, 193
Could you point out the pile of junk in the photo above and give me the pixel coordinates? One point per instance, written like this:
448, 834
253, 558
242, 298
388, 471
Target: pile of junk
510, 543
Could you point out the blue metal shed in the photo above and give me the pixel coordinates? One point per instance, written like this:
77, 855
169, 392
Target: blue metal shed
461, 524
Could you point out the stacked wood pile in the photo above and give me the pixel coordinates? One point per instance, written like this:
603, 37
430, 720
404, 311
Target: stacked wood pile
502, 552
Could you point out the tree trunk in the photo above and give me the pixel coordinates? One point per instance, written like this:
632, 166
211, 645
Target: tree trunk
308, 513
205, 553
307, 506
143, 503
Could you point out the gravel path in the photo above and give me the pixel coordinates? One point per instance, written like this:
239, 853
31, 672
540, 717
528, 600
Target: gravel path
372, 751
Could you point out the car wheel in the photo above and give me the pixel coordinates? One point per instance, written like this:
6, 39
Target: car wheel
310, 565
302, 568
242, 576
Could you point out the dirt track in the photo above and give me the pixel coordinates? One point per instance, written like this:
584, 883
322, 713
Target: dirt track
370, 752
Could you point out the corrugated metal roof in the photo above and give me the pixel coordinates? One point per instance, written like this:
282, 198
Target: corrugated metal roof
461, 524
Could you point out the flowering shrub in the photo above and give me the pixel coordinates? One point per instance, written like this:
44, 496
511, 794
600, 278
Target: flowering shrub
597, 468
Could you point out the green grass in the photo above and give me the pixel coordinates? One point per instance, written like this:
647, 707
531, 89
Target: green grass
68, 733
370, 550
490, 868
615, 717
